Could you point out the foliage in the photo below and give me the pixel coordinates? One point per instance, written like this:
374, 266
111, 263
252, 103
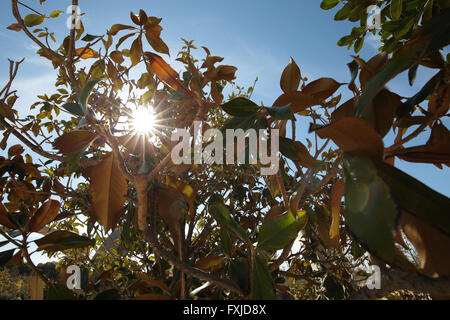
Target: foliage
109, 200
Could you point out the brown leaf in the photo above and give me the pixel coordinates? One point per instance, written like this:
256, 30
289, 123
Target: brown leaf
4, 220
305, 158
15, 150
381, 111
322, 88
354, 135
371, 67
290, 78
210, 263
343, 111
168, 75
87, 53
436, 150
45, 214
153, 283
16, 260
337, 192
107, 191
74, 140
135, 51
432, 245
299, 101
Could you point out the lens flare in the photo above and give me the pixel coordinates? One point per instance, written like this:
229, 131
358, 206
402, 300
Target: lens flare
143, 120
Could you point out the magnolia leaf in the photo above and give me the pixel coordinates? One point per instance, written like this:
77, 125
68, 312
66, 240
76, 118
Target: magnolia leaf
322, 88
240, 107
370, 211
280, 113
45, 214
118, 27
73, 108
290, 79
354, 135
371, 67
62, 240
135, 51
298, 101
87, 53
6, 256
278, 232
337, 192
33, 20
166, 74
261, 281
74, 140
217, 209
153, 283
210, 263
107, 191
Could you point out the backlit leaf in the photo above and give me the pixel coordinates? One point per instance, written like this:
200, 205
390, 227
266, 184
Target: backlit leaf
45, 214
290, 79
74, 140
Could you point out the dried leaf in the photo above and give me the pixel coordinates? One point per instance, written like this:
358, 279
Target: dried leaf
322, 88
290, 79
45, 214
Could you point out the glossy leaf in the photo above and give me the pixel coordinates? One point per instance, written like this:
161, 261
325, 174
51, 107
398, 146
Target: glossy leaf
62, 240
107, 191
290, 79
240, 107
45, 214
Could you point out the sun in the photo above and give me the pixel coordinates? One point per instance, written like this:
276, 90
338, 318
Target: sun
143, 120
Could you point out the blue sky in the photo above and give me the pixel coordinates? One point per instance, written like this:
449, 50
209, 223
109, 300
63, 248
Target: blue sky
258, 37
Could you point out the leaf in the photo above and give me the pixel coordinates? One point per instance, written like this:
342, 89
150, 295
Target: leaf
415, 197
370, 211
217, 209
14, 27
62, 240
299, 101
431, 245
16, 260
280, 113
278, 232
401, 61
87, 53
5, 256
153, 283
118, 27
135, 51
15, 150
290, 79
167, 74
322, 88
36, 287
371, 67
261, 281
337, 192
240, 107
354, 135
345, 110
227, 245
90, 37
395, 9
73, 108
85, 92
436, 150
33, 20
107, 191
74, 140
45, 214
55, 14
328, 4
210, 263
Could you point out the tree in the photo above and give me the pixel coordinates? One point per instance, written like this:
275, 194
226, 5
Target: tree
111, 200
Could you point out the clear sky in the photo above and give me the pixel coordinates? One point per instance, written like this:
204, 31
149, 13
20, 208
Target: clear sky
257, 36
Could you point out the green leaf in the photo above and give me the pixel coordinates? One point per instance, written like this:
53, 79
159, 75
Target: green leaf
370, 211
73, 108
84, 95
281, 113
240, 107
344, 12
328, 4
237, 271
415, 197
5, 256
217, 209
55, 14
58, 292
279, 232
89, 37
227, 245
261, 281
33, 20
287, 148
396, 9
62, 240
